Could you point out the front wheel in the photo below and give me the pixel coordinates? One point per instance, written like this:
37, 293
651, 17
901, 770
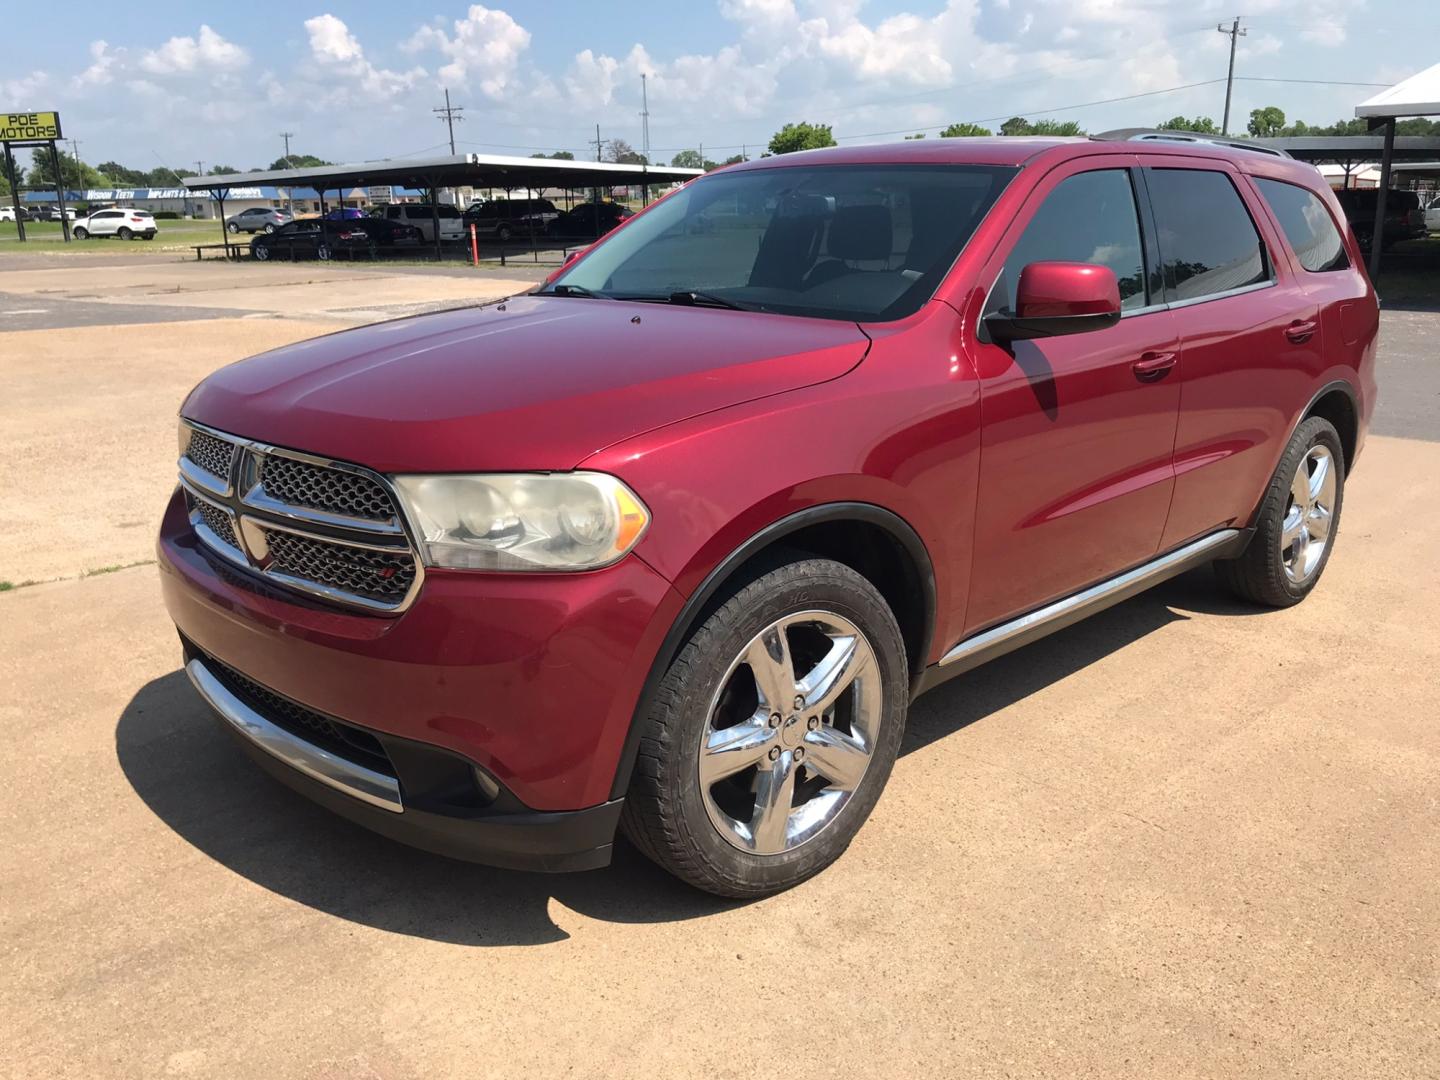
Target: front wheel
772, 733
503, 233
324, 253
260, 251
81, 233
1297, 522
269, 227
124, 233
233, 227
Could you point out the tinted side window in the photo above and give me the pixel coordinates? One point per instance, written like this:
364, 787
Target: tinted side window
1088, 218
1306, 224
1208, 244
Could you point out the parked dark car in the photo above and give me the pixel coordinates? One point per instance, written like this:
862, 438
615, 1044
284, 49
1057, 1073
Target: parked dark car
345, 213
314, 238
506, 218
1404, 218
388, 233
589, 220
671, 543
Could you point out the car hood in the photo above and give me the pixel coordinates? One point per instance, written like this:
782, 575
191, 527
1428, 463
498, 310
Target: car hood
534, 383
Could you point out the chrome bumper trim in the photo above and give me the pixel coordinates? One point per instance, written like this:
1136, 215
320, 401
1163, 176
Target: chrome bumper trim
367, 785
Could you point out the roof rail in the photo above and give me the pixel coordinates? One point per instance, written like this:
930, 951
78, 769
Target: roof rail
1158, 135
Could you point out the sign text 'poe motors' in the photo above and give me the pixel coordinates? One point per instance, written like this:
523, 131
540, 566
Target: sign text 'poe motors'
25, 126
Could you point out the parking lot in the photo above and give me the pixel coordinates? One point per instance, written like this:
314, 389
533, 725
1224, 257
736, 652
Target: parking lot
1183, 838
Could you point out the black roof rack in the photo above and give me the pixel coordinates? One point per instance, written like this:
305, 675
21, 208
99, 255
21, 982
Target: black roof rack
1157, 135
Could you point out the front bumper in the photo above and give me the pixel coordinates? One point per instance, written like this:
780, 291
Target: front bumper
533, 678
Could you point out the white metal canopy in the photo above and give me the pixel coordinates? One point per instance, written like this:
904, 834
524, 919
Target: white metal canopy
1419, 95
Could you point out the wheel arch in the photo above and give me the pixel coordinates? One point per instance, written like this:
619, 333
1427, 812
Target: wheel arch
1336, 402
874, 541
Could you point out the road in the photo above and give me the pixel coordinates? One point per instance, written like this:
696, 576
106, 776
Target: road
1185, 838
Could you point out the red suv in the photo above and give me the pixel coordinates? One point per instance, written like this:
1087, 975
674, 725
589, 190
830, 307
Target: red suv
671, 543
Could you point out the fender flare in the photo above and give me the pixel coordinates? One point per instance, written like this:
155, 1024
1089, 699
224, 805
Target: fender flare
896, 526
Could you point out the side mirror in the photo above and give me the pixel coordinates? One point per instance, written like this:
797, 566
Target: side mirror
569, 259
1057, 298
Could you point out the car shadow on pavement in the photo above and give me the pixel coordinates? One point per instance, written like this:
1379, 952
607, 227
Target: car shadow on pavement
189, 772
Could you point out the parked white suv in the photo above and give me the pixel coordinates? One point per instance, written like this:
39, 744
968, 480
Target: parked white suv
421, 217
124, 222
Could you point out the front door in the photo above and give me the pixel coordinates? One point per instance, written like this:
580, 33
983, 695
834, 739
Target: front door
1076, 445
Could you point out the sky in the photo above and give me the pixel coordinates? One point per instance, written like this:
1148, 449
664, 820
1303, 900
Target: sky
152, 83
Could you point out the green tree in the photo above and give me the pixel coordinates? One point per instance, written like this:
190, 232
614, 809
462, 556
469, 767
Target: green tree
1200, 125
965, 131
917, 135
688, 159
76, 174
298, 161
801, 136
1056, 127
1016, 125
558, 155
1266, 123
734, 159
221, 170
119, 174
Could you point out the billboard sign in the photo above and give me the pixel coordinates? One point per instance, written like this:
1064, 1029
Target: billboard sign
28, 126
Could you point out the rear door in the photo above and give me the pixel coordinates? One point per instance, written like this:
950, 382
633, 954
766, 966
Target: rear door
1249, 340
1076, 441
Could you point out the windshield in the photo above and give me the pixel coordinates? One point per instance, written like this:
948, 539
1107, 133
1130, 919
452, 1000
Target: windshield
856, 242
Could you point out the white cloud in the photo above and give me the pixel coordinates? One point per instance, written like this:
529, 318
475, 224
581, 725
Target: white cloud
337, 51
486, 42
207, 52
18, 91
102, 63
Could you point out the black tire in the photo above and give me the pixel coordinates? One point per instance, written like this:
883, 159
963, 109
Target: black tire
1259, 574
124, 233
232, 227
665, 814
324, 252
260, 252
81, 233
269, 227
503, 233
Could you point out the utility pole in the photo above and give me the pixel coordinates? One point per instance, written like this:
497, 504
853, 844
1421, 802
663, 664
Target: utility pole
289, 196
79, 170
644, 141
596, 142
1235, 35
451, 113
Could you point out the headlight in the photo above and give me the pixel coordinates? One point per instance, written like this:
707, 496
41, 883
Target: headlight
523, 521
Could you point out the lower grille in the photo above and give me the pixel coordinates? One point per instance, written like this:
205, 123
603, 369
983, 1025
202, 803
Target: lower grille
381, 576
338, 737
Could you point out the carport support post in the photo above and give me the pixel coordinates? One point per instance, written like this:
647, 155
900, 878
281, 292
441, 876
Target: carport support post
60, 191
435, 216
218, 194
1377, 238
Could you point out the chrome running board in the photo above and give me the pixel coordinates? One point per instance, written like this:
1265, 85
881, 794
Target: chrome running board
1001, 639
370, 786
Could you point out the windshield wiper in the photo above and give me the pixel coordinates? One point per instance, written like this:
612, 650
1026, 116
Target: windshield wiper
573, 290
693, 298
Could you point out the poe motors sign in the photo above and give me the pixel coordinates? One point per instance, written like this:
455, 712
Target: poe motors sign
38, 129
29, 126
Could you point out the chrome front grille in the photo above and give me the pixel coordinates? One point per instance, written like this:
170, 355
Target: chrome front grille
299, 483
321, 527
382, 576
210, 453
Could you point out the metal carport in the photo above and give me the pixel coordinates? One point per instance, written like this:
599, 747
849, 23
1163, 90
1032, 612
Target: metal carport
457, 170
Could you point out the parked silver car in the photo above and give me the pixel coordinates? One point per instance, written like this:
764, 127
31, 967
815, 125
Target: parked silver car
258, 219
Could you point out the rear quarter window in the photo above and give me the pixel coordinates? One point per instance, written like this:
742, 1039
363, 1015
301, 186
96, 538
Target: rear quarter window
1308, 227
1208, 243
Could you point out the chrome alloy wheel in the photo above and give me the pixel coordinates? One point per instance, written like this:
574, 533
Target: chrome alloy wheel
783, 752
1305, 532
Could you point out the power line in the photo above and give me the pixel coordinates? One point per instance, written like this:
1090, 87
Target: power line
1309, 82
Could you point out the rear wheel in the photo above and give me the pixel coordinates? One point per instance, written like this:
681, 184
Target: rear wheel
269, 227
324, 253
503, 233
124, 233
260, 251
772, 733
1298, 519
